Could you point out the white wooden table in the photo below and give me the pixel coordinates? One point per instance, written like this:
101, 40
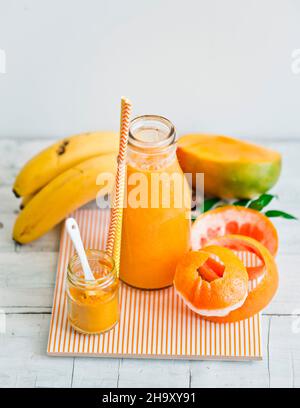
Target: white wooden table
27, 276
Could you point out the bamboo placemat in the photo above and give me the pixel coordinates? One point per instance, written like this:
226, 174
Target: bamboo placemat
153, 324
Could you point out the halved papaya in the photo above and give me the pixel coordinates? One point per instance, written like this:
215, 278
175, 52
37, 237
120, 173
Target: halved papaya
232, 168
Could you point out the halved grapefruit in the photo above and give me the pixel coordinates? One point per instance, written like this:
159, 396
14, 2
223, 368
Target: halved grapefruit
235, 220
210, 286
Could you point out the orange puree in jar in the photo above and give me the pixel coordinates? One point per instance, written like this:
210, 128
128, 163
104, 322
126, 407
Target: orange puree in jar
93, 306
156, 222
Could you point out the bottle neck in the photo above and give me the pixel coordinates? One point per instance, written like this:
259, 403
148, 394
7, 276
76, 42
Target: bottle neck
152, 143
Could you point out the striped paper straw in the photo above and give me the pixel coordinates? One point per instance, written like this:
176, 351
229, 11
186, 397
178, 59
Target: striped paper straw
115, 228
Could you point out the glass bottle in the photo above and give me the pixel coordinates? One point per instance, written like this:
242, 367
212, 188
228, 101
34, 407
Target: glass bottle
156, 217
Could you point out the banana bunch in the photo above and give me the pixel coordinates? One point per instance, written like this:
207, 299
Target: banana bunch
60, 179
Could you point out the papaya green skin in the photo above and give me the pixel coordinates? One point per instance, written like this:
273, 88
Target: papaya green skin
232, 179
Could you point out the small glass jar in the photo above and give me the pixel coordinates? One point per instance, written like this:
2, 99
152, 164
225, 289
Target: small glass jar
93, 306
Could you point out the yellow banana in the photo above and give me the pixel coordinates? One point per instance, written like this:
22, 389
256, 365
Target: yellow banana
68, 191
60, 156
25, 200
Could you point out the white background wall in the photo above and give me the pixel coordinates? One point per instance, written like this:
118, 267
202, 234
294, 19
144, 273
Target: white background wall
214, 65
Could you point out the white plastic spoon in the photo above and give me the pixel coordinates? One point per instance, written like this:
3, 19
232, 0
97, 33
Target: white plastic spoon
73, 231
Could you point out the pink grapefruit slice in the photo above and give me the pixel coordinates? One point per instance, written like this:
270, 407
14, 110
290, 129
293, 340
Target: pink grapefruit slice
235, 220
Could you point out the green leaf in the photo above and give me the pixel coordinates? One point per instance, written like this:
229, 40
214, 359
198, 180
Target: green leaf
282, 214
193, 218
242, 202
261, 202
209, 203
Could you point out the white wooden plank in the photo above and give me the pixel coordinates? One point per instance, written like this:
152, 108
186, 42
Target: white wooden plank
47, 243
23, 360
8, 202
27, 279
9, 310
288, 187
284, 351
17, 152
35, 272
228, 374
8, 175
287, 298
22, 350
95, 373
153, 373
6, 226
288, 231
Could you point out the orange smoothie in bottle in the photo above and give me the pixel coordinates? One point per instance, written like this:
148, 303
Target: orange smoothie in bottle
156, 217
